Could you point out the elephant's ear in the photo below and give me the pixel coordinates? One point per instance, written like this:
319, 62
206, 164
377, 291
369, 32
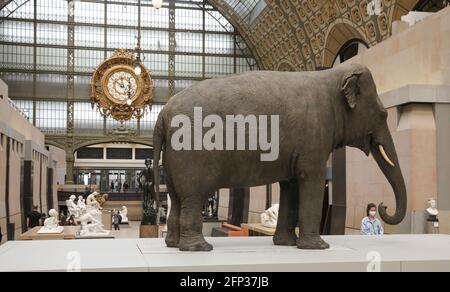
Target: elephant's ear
350, 87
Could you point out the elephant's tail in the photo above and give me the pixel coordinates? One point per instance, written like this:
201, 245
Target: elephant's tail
158, 144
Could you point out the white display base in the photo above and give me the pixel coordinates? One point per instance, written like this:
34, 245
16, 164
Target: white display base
95, 235
57, 230
233, 254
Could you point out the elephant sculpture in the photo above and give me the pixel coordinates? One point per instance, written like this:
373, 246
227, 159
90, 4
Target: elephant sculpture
318, 112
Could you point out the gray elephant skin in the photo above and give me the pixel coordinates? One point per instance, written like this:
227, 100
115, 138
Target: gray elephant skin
318, 112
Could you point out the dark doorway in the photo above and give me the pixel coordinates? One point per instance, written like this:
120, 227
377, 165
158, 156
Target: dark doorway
238, 206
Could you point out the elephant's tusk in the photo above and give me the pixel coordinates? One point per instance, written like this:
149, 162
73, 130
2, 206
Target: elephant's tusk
383, 153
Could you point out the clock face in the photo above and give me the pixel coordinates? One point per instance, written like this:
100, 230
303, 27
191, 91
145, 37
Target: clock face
114, 83
122, 85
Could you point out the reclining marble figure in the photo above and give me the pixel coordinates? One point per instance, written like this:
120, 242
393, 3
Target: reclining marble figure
317, 112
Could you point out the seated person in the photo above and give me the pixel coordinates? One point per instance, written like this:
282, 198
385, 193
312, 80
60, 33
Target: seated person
371, 225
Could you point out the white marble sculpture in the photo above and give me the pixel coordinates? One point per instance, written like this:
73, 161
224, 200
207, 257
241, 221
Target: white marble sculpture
270, 217
91, 201
432, 210
124, 214
81, 205
91, 220
72, 207
51, 224
91, 224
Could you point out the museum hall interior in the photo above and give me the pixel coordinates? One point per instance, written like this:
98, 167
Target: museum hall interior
225, 135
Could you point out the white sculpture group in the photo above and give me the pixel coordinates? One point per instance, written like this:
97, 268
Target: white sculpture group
89, 215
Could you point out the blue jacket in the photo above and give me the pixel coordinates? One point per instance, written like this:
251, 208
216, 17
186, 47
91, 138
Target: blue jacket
371, 227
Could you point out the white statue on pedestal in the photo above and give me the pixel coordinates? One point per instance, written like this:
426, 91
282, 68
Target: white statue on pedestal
51, 224
91, 220
124, 214
270, 217
72, 207
432, 210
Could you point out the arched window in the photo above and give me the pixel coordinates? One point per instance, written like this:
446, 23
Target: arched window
349, 50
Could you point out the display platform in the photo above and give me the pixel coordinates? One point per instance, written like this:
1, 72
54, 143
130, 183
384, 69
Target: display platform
69, 232
258, 229
347, 253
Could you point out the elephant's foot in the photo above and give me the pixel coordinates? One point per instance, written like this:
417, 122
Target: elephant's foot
285, 238
311, 242
172, 242
195, 245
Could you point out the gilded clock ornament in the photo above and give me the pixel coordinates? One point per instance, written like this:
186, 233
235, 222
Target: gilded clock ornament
118, 91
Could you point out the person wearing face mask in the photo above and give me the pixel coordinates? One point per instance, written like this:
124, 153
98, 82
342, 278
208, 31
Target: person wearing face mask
371, 225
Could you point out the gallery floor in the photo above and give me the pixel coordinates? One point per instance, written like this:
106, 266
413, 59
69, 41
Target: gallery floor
127, 231
347, 253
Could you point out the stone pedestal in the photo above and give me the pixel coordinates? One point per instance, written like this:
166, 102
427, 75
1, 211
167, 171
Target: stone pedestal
149, 231
433, 227
107, 220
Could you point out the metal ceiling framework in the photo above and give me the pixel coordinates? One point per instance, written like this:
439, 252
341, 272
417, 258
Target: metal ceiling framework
298, 32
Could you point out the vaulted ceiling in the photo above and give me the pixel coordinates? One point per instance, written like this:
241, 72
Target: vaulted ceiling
307, 34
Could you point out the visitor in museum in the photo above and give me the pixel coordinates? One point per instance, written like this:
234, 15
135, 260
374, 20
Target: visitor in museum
112, 186
371, 225
71, 221
34, 218
119, 186
62, 219
116, 220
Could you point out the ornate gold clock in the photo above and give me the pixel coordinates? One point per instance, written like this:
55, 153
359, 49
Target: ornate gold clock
118, 91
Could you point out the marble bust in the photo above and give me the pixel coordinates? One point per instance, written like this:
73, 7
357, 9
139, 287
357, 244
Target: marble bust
432, 210
270, 217
51, 224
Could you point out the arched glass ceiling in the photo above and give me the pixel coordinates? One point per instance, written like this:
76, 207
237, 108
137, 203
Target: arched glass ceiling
35, 51
247, 9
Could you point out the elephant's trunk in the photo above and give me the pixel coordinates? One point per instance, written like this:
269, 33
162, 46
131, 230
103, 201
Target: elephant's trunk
383, 150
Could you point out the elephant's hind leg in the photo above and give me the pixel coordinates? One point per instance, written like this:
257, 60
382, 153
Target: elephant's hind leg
287, 215
173, 222
191, 224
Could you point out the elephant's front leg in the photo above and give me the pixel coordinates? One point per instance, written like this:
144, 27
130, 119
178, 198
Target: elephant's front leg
311, 187
288, 214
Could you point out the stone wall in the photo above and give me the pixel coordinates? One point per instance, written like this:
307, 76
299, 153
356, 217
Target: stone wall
26, 144
411, 70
